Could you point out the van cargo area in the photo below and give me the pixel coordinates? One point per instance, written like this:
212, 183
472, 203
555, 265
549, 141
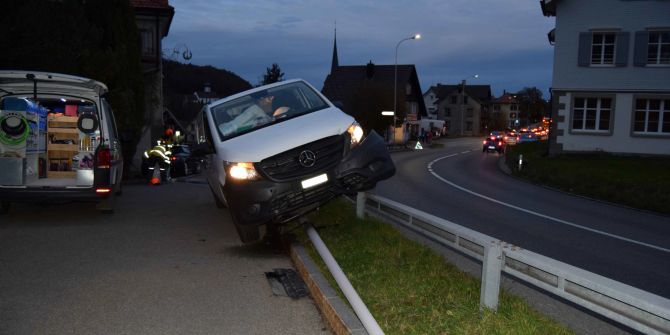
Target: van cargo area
41, 144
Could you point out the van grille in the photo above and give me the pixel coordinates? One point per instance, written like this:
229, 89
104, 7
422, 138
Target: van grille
300, 198
285, 166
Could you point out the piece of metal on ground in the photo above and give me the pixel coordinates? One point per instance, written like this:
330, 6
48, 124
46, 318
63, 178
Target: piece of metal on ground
287, 282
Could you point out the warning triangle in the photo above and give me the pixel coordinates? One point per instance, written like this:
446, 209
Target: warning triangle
418, 146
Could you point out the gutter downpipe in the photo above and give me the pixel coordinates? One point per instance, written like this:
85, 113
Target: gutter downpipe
368, 321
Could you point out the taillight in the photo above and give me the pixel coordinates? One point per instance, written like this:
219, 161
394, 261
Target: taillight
103, 190
103, 158
499, 143
484, 142
173, 158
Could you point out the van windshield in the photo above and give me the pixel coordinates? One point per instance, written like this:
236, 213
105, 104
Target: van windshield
259, 109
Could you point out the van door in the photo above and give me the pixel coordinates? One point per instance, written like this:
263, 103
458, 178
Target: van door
210, 161
116, 168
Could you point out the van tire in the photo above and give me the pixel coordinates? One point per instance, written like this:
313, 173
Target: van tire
247, 233
219, 204
5, 206
106, 206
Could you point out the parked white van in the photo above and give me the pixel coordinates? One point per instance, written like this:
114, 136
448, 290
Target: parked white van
58, 140
276, 152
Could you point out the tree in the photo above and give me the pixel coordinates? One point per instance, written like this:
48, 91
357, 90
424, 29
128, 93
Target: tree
98, 40
272, 75
531, 104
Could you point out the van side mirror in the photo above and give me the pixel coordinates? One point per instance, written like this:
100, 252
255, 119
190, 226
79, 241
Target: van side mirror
202, 149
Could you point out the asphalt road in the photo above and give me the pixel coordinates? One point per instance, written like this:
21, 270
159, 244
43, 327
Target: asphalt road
167, 262
466, 186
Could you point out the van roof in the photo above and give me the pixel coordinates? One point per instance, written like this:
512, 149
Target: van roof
22, 82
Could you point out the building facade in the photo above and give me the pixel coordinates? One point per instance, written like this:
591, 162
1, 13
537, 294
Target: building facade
611, 76
464, 108
153, 19
505, 112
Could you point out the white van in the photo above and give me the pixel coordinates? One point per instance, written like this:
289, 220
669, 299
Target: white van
58, 140
278, 151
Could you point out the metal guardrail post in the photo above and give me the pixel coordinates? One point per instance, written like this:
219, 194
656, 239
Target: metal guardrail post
360, 205
357, 304
491, 269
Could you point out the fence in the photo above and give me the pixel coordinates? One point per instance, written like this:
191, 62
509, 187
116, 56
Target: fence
635, 308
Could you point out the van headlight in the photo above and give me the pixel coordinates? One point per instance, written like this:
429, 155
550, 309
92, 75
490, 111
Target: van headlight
356, 133
242, 171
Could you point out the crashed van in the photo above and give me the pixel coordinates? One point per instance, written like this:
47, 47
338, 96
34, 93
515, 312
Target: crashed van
276, 152
58, 140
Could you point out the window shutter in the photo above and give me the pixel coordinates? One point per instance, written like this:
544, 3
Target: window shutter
584, 53
622, 42
641, 48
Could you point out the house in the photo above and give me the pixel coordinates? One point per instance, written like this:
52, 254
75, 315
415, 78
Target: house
611, 76
206, 95
153, 19
351, 84
505, 113
464, 108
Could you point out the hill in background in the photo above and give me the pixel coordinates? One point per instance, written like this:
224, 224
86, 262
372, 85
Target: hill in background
182, 80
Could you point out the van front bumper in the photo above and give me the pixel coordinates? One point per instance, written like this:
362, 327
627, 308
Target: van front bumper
262, 201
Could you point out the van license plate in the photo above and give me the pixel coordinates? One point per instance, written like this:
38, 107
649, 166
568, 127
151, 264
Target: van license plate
320, 179
491, 147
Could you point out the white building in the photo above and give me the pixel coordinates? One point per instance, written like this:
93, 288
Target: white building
611, 76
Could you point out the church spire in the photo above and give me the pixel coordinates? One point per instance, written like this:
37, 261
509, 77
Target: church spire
335, 62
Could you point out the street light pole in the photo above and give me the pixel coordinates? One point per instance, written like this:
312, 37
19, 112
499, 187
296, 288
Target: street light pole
395, 80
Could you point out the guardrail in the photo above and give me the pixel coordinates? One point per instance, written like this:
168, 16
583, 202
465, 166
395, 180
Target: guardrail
635, 308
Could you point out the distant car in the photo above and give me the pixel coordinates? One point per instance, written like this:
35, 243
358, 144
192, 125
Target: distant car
526, 137
510, 138
182, 163
497, 134
492, 143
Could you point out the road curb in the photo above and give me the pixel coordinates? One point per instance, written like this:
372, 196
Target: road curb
339, 316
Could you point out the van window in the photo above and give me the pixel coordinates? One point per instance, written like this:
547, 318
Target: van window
109, 115
262, 108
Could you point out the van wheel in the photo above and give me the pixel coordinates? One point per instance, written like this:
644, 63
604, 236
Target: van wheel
4, 207
106, 206
219, 203
247, 233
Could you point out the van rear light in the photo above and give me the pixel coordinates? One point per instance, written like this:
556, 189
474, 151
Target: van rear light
103, 158
102, 190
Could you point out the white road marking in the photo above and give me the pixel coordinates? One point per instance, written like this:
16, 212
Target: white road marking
430, 169
465, 152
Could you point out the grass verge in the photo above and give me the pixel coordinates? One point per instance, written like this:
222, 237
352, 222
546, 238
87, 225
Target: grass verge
639, 182
409, 288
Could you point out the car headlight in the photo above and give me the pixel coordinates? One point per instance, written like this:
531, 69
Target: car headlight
356, 133
242, 171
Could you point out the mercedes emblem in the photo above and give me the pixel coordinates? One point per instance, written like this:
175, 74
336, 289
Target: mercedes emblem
307, 158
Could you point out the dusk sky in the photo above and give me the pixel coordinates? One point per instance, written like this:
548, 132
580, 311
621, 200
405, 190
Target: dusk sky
504, 42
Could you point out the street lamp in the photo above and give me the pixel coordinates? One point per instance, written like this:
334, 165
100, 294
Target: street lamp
395, 79
463, 101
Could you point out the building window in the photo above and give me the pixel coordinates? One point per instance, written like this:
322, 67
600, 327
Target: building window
465, 99
496, 107
513, 107
602, 48
470, 112
454, 99
468, 126
592, 114
652, 116
658, 49
148, 44
447, 112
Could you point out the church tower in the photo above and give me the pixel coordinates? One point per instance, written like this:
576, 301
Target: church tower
335, 62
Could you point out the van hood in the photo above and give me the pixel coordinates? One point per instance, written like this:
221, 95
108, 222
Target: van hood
269, 141
20, 83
